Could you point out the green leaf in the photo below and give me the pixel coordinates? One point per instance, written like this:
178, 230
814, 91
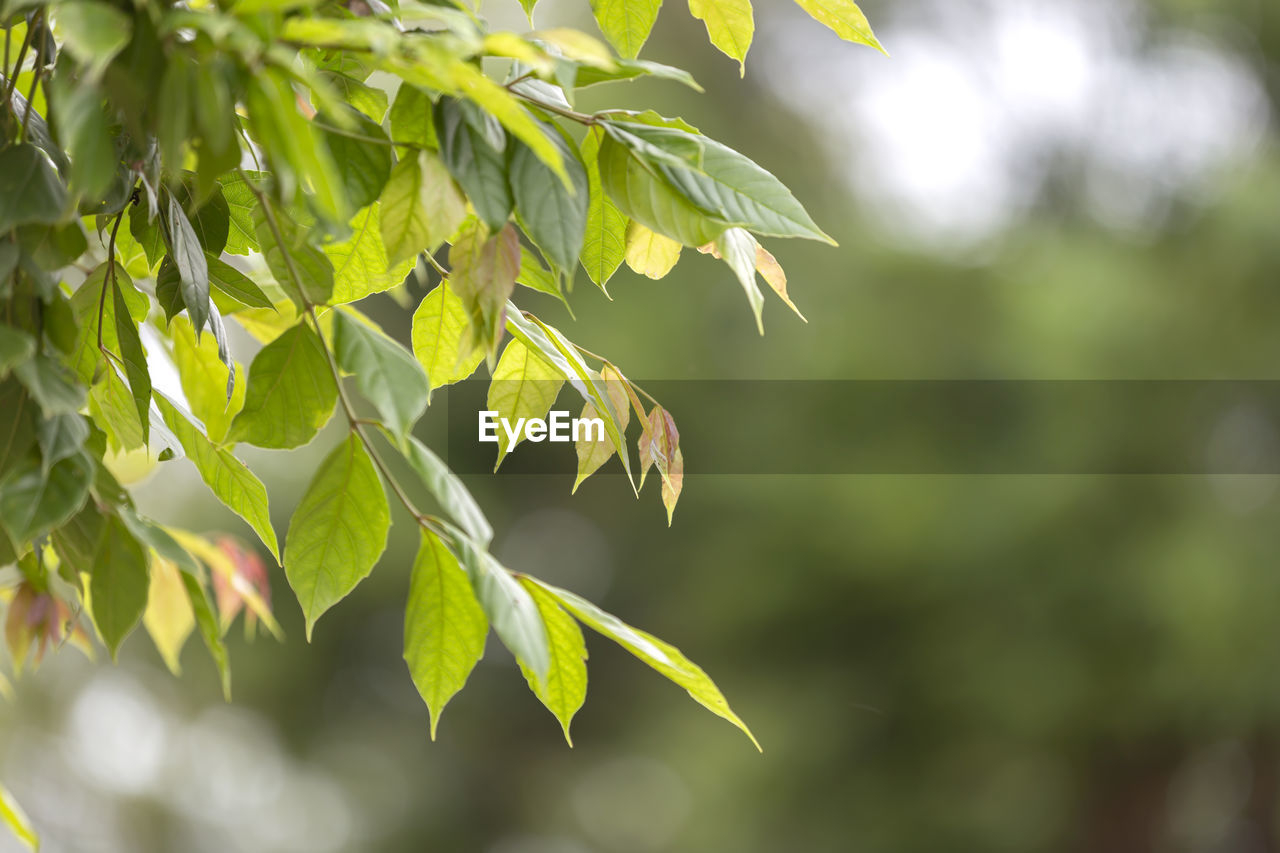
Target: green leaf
61, 437
83, 126
30, 191
112, 407
147, 234
234, 284
17, 425
360, 265
134, 358
446, 488
17, 821
93, 33
626, 23
729, 25
173, 110
483, 276
630, 69
737, 191
85, 359
524, 386
365, 98
193, 269
474, 163
364, 165
663, 657
51, 385
421, 207
604, 243
305, 272
338, 531
241, 202
207, 622
439, 335
509, 607
118, 588
210, 219
496, 101
385, 372
204, 378
36, 501
845, 19
444, 626
642, 194
535, 276
15, 347
291, 393
411, 118
564, 689
553, 215
227, 477
738, 249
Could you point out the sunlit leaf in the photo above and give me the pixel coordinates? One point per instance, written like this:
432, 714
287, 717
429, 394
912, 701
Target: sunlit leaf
730, 26
291, 393
604, 242
338, 530
649, 253
626, 23
360, 265
484, 274
168, 618
384, 371
440, 338
17, 821
524, 386
421, 207
594, 452
564, 689
845, 19
444, 626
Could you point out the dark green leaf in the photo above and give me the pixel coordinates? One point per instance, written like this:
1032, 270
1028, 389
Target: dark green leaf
36, 501
235, 284
554, 217
118, 588
134, 358
193, 269
51, 385
30, 191
365, 165
16, 347
385, 372
474, 162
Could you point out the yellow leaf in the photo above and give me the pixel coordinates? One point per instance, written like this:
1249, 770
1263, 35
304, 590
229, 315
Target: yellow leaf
524, 386
168, 618
770, 270
650, 253
845, 19
579, 47
594, 453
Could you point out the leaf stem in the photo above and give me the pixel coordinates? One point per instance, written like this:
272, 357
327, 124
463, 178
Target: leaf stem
589, 354
17, 66
109, 280
431, 259
581, 118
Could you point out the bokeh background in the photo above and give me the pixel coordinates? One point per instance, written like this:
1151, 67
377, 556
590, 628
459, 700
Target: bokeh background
1031, 189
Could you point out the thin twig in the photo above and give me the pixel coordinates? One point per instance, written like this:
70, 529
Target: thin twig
22, 56
431, 259
109, 280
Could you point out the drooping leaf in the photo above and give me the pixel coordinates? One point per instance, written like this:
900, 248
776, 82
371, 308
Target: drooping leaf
169, 618
439, 334
119, 583
845, 19
593, 452
730, 26
446, 488
411, 120
94, 33
362, 153
360, 263
509, 607
626, 23
52, 386
444, 626
483, 275
478, 167
524, 386
113, 408
660, 446
36, 500
338, 530
650, 254
421, 207
738, 249
242, 237
226, 476
631, 69
188, 256
642, 194
384, 371
237, 286
61, 437
564, 690
661, 656
553, 215
305, 272
495, 101
604, 242
88, 303
204, 378
16, 346
30, 190
291, 393
134, 358
770, 270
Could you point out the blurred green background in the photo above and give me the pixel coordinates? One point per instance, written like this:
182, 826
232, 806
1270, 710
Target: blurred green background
1028, 189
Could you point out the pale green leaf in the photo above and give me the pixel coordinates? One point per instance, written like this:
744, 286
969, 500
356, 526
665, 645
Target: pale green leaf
446, 488
421, 207
845, 19
663, 657
439, 334
564, 690
338, 530
649, 253
730, 26
17, 821
524, 386
444, 626
509, 607
204, 380
626, 23
604, 243
226, 476
738, 249
360, 263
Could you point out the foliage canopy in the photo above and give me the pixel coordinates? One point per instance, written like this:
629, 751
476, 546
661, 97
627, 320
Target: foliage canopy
167, 170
